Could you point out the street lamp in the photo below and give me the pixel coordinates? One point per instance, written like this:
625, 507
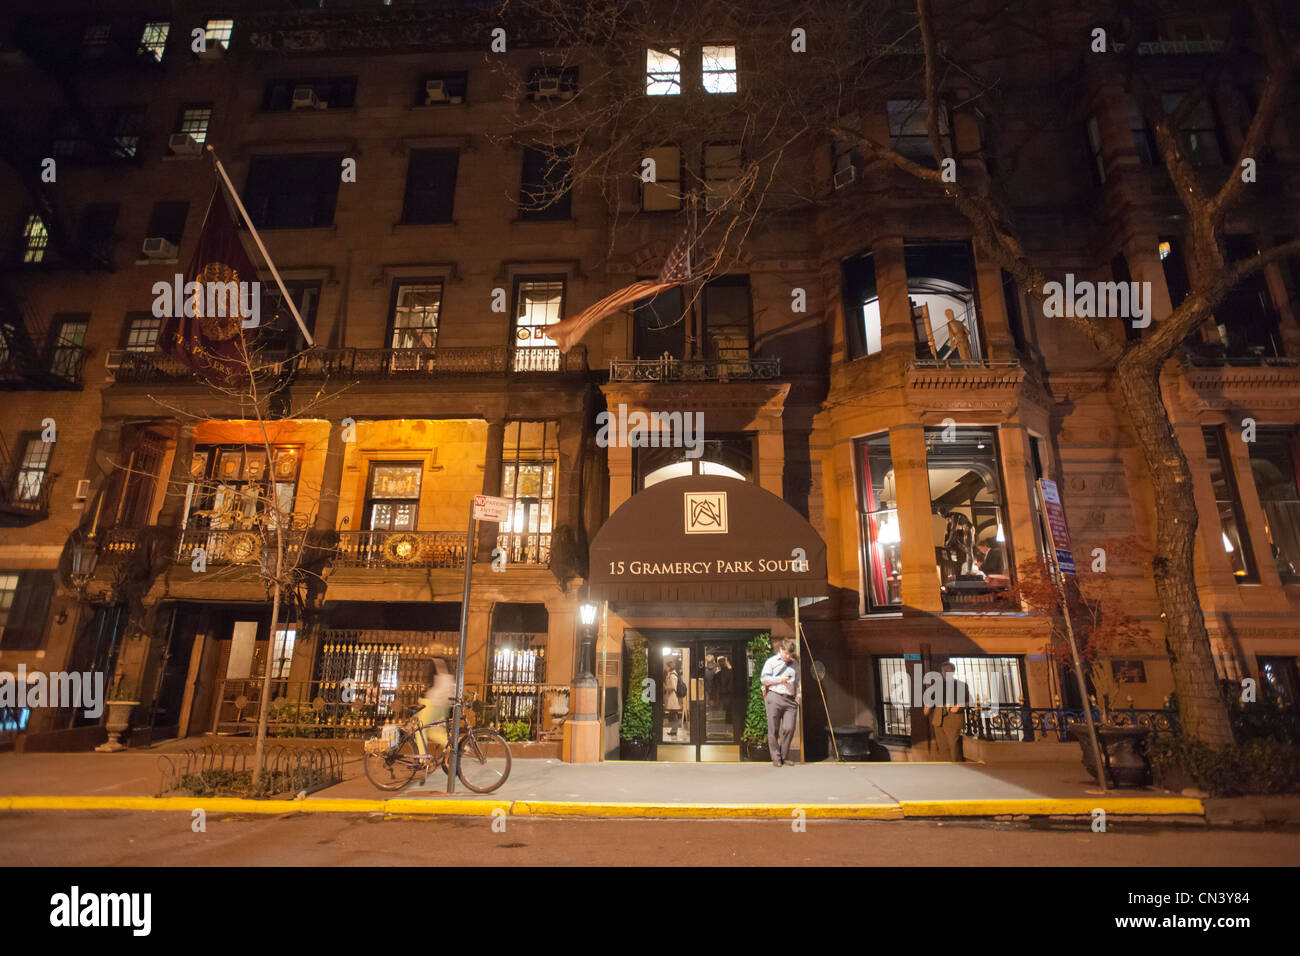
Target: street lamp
587, 613
85, 556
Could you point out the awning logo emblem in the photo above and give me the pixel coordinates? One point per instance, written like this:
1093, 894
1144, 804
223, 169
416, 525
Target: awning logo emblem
706, 512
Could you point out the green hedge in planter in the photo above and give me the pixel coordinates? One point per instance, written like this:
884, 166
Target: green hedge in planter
1263, 766
755, 731
638, 716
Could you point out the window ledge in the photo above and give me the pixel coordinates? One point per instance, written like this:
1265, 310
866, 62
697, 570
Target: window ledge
543, 222
300, 230
170, 157
156, 262
405, 226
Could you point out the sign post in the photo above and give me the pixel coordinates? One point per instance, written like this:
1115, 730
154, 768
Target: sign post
1062, 557
486, 508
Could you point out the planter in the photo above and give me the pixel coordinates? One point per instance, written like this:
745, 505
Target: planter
1122, 747
634, 750
1175, 779
755, 752
855, 743
117, 724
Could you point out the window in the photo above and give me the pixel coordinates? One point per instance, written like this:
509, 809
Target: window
337, 92
128, 125
217, 33
1247, 321
1143, 141
1232, 526
230, 487
551, 82
659, 325
1098, 157
279, 332
544, 188
940, 288
908, 133
35, 238
98, 223
1279, 675
846, 161
970, 544
24, 609
538, 303
882, 566
292, 192
529, 456
861, 305
1170, 250
194, 120
167, 221
94, 41
718, 68
664, 194
430, 186
721, 172
153, 40
32, 469
1275, 461
68, 337
727, 320
1198, 132
393, 496
442, 89
142, 330
286, 635
1015, 317
976, 679
731, 456
415, 316
663, 72
8, 589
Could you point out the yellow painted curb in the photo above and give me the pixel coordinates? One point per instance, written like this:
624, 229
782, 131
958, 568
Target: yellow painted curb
187, 804
1144, 806
447, 807
708, 811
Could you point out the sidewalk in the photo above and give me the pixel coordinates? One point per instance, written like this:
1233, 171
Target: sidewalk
550, 788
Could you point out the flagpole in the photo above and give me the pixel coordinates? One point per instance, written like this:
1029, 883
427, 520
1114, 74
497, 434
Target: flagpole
221, 171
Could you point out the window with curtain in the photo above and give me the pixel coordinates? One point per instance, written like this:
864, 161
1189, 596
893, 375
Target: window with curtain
1275, 461
878, 510
1232, 527
538, 305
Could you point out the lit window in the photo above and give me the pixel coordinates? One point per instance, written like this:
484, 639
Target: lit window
529, 455
1165, 248
142, 333
31, 471
282, 650
35, 238
537, 305
415, 316
69, 342
878, 507
393, 497
154, 38
195, 120
1232, 529
940, 287
663, 72
718, 66
218, 32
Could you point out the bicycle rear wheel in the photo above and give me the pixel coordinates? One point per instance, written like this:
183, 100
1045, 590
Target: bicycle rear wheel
484, 760
393, 769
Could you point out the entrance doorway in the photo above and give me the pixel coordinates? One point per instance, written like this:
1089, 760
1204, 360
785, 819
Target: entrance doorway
700, 711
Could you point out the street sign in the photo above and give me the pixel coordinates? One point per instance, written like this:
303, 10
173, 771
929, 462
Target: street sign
487, 508
1056, 526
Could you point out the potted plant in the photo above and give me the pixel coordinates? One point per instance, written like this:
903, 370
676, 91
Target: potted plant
125, 699
634, 733
753, 739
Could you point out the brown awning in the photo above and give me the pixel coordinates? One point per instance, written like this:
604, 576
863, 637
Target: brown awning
706, 538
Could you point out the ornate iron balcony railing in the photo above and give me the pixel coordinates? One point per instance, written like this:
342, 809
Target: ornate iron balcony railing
401, 549
668, 369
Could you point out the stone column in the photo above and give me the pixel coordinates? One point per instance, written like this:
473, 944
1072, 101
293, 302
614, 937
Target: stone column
897, 335
998, 344
487, 530
327, 512
620, 475
1018, 506
920, 572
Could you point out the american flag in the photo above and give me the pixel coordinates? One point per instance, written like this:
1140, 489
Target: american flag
676, 270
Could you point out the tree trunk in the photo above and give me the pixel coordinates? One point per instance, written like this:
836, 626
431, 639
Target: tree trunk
1201, 710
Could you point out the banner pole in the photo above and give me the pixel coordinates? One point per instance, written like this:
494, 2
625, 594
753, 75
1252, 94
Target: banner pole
248, 220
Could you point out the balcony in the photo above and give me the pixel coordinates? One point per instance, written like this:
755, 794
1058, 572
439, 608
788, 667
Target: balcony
24, 502
668, 369
400, 549
230, 546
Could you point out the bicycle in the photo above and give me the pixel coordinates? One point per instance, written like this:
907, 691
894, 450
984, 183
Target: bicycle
391, 759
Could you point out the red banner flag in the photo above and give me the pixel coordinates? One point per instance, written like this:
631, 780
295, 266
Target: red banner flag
205, 329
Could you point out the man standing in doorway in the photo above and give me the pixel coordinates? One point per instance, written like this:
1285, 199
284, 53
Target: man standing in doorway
781, 696
946, 720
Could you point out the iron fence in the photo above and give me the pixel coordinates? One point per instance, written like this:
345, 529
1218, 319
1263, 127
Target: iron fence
396, 549
669, 369
227, 770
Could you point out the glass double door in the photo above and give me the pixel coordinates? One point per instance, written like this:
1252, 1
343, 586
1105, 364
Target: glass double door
700, 707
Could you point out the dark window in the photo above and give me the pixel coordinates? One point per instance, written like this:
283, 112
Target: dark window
1275, 460
292, 192
1120, 273
722, 168
430, 186
659, 325
67, 345
861, 305
1015, 317
338, 92
664, 193
1198, 132
279, 332
1232, 526
544, 189
727, 316
70, 139
909, 133
1143, 141
414, 321
1175, 269
441, 89
128, 128
1247, 321
167, 221
24, 608
98, 222
941, 290
552, 83
1093, 133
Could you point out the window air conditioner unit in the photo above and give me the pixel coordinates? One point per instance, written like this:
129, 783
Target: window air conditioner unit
435, 91
83, 489
305, 98
156, 247
845, 176
113, 360
183, 144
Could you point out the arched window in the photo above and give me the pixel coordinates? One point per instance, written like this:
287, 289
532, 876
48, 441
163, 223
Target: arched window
941, 290
732, 457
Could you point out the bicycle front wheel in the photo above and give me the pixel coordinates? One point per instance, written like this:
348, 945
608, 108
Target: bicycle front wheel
393, 769
484, 760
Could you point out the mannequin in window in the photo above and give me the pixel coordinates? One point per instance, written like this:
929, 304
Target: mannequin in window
959, 542
958, 337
